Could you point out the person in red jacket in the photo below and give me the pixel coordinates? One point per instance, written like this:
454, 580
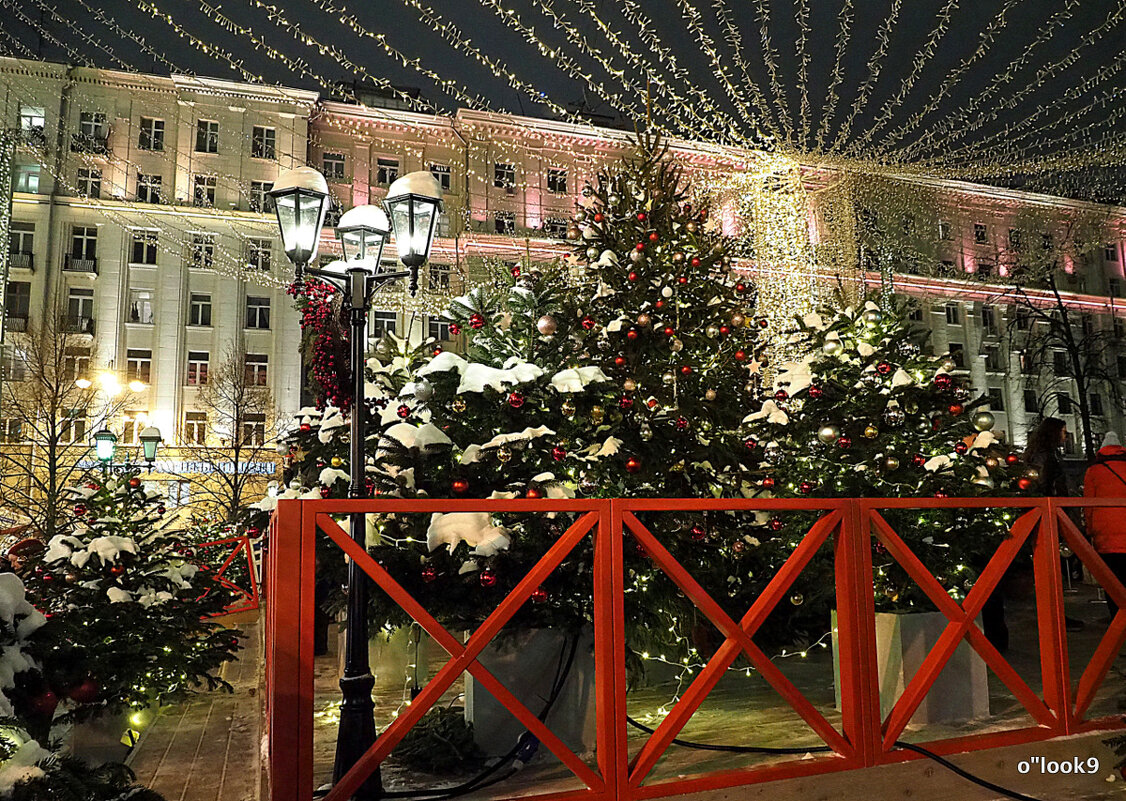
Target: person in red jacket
1106, 478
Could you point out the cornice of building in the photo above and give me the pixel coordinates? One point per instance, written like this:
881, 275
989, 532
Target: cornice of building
385, 118
265, 93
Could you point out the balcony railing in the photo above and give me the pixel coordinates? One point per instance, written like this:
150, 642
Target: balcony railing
95, 144
78, 325
35, 137
77, 264
21, 261
16, 323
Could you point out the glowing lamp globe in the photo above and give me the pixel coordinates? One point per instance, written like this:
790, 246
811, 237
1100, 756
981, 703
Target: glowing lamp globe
150, 441
363, 231
301, 201
413, 203
105, 443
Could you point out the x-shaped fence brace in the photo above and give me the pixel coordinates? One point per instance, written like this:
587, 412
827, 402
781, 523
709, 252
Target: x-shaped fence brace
246, 598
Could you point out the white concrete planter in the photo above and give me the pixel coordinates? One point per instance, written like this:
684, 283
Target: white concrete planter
903, 640
526, 665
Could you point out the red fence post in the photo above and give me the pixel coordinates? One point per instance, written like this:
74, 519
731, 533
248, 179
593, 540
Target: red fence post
1054, 666
856, 634
610, 648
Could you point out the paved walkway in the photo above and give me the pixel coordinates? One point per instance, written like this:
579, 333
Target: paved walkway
207, 750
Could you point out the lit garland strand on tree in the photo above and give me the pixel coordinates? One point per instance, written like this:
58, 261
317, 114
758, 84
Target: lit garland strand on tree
125, 604
867, 413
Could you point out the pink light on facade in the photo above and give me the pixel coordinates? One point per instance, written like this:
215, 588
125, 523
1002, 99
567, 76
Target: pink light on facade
1003, 270
1069, 265
971, 265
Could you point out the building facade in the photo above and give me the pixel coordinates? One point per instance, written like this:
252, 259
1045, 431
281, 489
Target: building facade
140, 219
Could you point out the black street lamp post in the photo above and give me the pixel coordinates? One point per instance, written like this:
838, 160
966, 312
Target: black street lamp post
413, 203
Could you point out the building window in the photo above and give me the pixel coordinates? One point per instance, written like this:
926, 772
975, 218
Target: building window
133, 422
80, 309
1114, 287
945, 230
25, 178
260, 200
258, 254
1014, 238
383, 322
504, 176
1063, 402
33, 124
73, 427
257, 312
504, 222
332, 165
984, 269
1121, 361
915, 314
254, 430
195, 428
92, 124
981, 234
1022, 318
21, 237
989, 319
197, 368
441, 172
203, 190
1095, 404
207, 136
17, 303
151, 135
439, 329
993, 358
263, 143
555, 227
11, 430
144, 247
202, 252
1110, 252
958, 354
256, 369
1031, 402
1087, 324
140, 306
1061, 362
199, 310
1069, 445
1027, 366
557, 181
76, 363
953, 315
996, 399
1119, 328
138, 365
89, 182
386, 171
149, 188
13, 364
439, 277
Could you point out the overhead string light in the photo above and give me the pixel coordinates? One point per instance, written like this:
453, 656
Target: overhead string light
734, 38
829, 108
801, 16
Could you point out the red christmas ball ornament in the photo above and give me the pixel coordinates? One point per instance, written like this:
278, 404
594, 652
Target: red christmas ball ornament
598, 216
699, 533
768, 482
956, 409
651, 403
487, 577
763, 322
632, 276
1012, 459
750, 443
516, 271
80, 509
558, 453
429, 573
686, 369
134, 482
844, 442
776, 524
781, 395
943, 381
587, 323
86, 692
669, 331
681, 423
1024, 482
740, 287
632, 334
326, 492
539, 595
918, 460
160, 510
641, 216
936, 422
683, 279
254, 532
476, 321
740, 356
816, 392
724, 330
48, 578
961, 447
654, 236
455, 329
436, 351
117, 570
805, 487
633, 464
403, 411
695, 262
883, 368
515, 399
460, 486
625, 402
533, 494
639, 246
738, 546
44, 705
660, 304
619, 361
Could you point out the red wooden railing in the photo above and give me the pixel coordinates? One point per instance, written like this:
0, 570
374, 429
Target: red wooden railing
224, 557
863, 739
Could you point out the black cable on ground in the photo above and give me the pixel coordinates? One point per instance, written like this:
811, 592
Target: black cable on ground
735, 749
965, 774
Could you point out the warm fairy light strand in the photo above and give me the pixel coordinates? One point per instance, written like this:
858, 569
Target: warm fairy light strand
875, 64
829, 108
801, 16
769, 58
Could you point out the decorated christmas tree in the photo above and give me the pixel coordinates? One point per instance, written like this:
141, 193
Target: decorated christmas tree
624, 372
126, 605
869, 413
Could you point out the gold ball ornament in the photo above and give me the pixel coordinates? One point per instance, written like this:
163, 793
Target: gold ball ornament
568, 408
712, 331
709, 395
504, 454
738, 320
629, 385
797, 599
678, 257
691, 226
644, 320
597, 414
676, 346
831, 347
891, 463
336, 461
667, 378
458, 405
574, 233
991, 463
871, 432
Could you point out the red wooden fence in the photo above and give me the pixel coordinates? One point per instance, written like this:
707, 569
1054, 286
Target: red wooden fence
863, 739
223, 557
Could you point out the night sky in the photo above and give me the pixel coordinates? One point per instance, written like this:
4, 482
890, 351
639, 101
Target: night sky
1024, 22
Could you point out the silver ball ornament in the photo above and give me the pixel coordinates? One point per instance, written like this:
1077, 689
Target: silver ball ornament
829, 434
423, 390
983, 421
546, 325
832, 347
676, 345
